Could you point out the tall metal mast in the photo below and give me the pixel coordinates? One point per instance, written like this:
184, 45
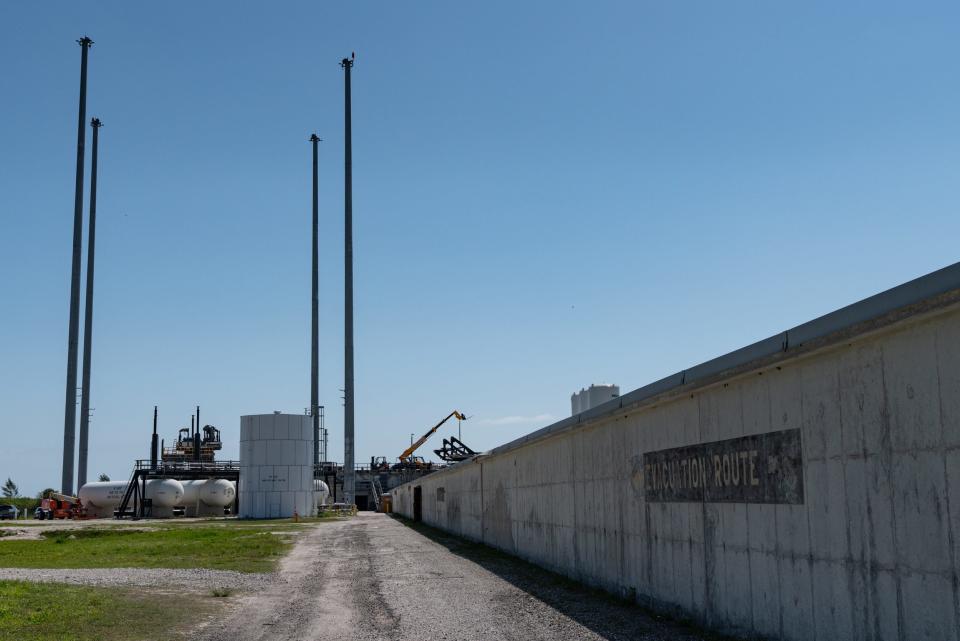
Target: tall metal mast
95, 124
315, 327
153, 442
349, 473
70, 404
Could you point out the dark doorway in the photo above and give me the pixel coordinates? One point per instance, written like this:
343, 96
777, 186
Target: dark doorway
417, 504
362, 502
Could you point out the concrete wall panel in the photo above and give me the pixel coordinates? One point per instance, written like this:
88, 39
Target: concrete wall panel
870, 552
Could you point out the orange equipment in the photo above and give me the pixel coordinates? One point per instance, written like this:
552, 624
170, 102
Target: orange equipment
62, 506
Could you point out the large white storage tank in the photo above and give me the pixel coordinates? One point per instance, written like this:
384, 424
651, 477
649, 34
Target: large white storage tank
276, 466
592, 396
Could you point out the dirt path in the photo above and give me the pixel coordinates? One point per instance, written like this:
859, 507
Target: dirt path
373, 578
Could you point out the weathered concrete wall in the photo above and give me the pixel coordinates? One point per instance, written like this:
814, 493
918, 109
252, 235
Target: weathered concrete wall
870, 551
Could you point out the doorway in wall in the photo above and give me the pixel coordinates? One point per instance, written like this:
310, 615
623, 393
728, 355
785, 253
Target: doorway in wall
417, 504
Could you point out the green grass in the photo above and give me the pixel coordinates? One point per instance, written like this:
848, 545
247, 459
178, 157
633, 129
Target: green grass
57, 612
201, 546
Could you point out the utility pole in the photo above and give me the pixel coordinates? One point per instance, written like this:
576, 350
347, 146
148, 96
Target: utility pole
70, 405
95, 124
315, 327
349, 472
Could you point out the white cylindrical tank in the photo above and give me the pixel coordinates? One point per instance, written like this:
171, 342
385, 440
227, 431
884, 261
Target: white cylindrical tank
276, 466
210, 492
102, 493
600, 394
592, 396
217, 492
191, 492
108, 494
321, 492
165, 492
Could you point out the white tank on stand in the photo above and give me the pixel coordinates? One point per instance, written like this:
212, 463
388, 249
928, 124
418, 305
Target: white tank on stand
276, 466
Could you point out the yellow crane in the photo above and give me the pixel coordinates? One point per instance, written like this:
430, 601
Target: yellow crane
407, 457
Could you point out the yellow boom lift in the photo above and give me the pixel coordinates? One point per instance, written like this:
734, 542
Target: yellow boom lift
408, 460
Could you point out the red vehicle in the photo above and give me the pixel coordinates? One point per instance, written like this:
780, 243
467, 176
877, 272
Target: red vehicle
61, 506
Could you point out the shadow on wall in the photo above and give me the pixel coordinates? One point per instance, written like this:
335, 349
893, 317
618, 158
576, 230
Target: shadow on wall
607, 616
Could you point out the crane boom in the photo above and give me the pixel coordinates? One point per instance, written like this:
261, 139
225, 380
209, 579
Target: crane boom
423, 439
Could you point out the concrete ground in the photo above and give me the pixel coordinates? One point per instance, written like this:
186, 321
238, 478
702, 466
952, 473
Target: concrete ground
374, 577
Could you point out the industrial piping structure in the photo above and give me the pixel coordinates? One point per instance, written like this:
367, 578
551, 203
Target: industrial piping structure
183, 475
95, 124
349, 473
70, 402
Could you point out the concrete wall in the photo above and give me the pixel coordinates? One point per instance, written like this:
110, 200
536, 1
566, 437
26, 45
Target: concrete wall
870, 552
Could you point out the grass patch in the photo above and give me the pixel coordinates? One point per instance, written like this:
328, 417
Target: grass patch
52, 611
62, 536
217, 548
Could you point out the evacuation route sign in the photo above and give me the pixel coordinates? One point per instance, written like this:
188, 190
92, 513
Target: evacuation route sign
763, 468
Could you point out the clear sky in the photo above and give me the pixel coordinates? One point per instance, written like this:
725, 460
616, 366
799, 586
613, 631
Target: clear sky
546, 195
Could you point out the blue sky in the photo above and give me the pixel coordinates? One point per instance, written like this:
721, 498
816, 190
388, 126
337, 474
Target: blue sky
546, 195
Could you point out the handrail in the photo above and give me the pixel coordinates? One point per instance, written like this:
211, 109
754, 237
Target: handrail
146, 464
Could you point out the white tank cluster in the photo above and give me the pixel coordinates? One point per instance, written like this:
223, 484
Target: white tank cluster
276, 466
592, 396
201, 497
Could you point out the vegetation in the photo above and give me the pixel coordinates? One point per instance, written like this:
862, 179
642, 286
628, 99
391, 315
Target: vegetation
213, 546
103, 477
10, 489
22, 503
51, 611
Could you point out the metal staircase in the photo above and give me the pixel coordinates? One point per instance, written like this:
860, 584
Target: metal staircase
136, 490
376, 491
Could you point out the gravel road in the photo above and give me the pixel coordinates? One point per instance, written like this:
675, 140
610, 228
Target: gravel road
198, 579
373, 577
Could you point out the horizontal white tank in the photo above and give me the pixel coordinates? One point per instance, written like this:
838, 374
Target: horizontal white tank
321, 492
210, 492
108, 494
